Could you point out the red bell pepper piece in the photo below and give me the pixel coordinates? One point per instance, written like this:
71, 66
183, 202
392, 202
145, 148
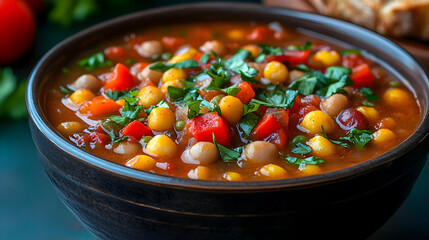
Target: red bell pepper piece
266, 126
99, 107
281, 115
362, 76
121, 79
246, 92
203, 127
293, 57
260, 33
136, 129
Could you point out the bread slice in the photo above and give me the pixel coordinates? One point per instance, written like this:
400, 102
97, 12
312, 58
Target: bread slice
399, 18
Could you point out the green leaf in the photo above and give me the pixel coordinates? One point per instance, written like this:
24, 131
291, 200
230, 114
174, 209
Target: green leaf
273, 51
359, 137
121, 120
194, 109
369, 94
260, 58
237, 64
306, 46
115, 95
336, 72
119, 139
305, 85
302, 67
304, 161
248, 79
350, 51
342, 144
227, 154
277, 99
301, 149
95, 61
205, 58
248, 122
249, 108
163, 67
367, 104
162, 104
14, 106
65, 90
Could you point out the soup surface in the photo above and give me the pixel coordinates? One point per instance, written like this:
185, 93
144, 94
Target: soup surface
230, 102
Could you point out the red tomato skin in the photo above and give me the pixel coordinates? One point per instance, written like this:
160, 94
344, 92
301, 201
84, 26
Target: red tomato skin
121, 79
292, 57
18, 29
362, 76
266, 126
136, 129
203, 127
351, 118
115, 53
259, 34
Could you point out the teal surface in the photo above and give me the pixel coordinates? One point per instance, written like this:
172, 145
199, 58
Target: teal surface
30, 209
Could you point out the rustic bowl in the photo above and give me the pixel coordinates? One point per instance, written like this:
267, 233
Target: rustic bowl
116, 202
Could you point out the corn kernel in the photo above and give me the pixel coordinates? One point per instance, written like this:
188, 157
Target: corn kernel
175, 83
161, 146
184, 56
68, 128
199, 172
231, 108
273, 171
149, 96
173, 74
276, 72
81, 96
315, 119
141, 162
328, 58
161, 119
253, 49
236, 34
397, 98
232, 176
321, 147
370, 113
309, 169
383, 136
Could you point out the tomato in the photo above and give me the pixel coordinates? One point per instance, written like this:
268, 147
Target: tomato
351, 118
17, 29
260, 33
362, 76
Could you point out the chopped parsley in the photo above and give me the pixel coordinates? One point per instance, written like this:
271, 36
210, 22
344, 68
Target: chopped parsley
163, 67
250, 119
228, 154
359, 137
115, 95
277, 98
306, 46
162, 104
369, 94
130, 111
350, 51
304, 161
301, 149
95, 61
237, 64
342, 144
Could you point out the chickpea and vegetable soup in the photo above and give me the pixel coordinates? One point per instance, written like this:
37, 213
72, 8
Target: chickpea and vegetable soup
229, 101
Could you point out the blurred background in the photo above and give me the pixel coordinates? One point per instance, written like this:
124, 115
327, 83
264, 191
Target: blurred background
29, 207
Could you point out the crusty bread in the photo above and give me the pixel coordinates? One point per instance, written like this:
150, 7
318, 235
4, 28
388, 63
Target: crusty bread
399, 18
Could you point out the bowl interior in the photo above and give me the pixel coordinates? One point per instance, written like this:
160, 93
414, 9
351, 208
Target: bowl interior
387, 54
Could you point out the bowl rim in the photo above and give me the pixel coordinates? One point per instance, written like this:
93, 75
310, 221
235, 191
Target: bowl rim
37, 116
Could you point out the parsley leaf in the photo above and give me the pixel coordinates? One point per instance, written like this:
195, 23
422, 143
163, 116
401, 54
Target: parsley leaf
163, 67
273, 51
194, 109
301, 149
249, 108
276, 99
95, 61
303, 161
306, 46
350, 51
248, 122
237, 64
119, 139
369, 94
359, 137
305, 85
162, 104
65, 90
115, 95
205, 58
248, 79
183, 95
227, 154
342, 144
130, 111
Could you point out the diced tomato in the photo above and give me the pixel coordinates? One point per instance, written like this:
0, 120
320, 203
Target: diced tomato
136, 129
115, 52
311, 100
351, 118
296, 105
260, 33
362, 76
279, 138
281, 115
306, 109
293, 57
352, 60
99, 138
99, 107
246, 92
121, 79
266, 126
203, 127
173, 43
138, 67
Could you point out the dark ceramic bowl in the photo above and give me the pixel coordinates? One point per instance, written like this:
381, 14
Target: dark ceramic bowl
116, 202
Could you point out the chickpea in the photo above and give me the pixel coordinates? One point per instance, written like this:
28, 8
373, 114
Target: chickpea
232, 176
161, 119
260, 152
253, 49
199, 172
231, 108
161, 146
397, 98
309, 169
383, 136
141, 162
149, 48
334, 104
173, 74
322, 147
328, 58
81, 96
152, 75
68, 128
201, 153
215, 46
315, 119
276, 72
189, 53
149, 96
273, 171
370, 113
86, 81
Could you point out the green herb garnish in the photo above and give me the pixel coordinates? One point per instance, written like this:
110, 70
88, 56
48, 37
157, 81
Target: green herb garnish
342, 144
95, 61
301, 149
228, 154
359, 137
304, 161
163, 67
